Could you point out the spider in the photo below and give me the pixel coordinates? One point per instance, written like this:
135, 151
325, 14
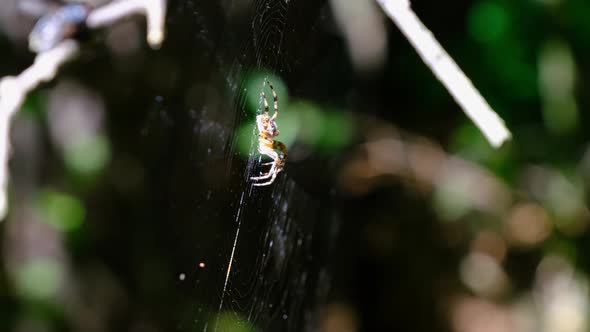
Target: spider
267, 131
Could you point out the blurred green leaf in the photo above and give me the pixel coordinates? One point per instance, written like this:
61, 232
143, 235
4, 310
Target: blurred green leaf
62, 211
232, 322
88, 156
488, 22
468, 142
255, 83
39, 279
337, 131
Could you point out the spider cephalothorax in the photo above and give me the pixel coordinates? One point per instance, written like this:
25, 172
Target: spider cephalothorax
267, 131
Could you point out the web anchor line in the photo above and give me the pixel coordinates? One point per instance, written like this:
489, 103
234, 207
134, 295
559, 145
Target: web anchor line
231, 257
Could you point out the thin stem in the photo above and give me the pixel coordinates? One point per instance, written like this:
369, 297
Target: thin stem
14, 90
154, 10
447, 71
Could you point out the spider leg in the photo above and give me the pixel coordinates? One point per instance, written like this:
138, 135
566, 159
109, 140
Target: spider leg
266, 175
272, 179
274, 169
269, 152
265, 102
276, 101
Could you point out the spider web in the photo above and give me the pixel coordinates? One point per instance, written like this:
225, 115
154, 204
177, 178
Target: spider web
175, 237
265, 266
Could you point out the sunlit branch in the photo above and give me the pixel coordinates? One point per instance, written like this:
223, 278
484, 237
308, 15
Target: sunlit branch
447, 71
154, 10
14, 90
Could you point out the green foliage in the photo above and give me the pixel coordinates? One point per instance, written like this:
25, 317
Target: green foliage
39, 279
60, 210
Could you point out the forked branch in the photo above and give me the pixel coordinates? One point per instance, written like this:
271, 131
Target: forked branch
14, 89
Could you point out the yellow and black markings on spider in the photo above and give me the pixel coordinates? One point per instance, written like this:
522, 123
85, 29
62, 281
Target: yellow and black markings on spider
267, 131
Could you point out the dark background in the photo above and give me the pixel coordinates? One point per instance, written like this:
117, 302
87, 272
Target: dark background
130, 189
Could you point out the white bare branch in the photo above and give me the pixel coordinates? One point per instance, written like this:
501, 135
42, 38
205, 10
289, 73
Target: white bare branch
447, 71
154, 10
14, 89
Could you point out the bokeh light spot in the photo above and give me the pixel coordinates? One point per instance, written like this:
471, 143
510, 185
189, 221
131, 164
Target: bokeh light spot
468, 142
232, 322
452, 197
483, 274
488, 22
311, 121
527, 224
245, 137
337, 131
39, 279
88, 155
255, 83
557, 77
60, 210
289, 124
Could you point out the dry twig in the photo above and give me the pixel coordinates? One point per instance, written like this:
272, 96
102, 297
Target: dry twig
14, 89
